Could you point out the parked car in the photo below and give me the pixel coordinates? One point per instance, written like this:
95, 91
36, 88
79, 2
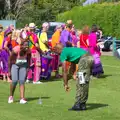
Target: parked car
51, 29
106, 43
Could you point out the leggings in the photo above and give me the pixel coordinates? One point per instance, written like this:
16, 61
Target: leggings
18, 73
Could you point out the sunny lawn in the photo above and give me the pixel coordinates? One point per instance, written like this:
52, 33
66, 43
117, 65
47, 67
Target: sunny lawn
103, 103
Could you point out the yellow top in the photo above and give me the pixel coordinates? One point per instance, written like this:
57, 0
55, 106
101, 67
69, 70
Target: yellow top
43, 38
1, 39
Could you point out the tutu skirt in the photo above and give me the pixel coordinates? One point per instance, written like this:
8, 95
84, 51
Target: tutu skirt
97, 68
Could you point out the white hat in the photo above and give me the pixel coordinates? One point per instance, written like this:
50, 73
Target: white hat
32, 26
45, 25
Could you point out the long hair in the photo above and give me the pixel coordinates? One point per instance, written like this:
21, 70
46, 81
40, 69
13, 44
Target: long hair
85, 29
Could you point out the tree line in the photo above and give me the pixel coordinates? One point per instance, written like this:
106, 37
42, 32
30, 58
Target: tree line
38, 11
105, 15
25, 11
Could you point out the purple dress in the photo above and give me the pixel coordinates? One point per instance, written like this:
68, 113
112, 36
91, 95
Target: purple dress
97, 68
46, 66
5, 57
74, 39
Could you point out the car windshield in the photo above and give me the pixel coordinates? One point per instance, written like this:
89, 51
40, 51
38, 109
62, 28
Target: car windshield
51, 31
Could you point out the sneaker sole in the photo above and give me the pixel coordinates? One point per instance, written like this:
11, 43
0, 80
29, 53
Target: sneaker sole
10, 102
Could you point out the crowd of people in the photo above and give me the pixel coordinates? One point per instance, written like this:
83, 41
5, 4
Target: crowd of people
26, 56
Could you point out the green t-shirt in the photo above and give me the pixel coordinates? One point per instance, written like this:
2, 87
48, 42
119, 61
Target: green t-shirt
72, 54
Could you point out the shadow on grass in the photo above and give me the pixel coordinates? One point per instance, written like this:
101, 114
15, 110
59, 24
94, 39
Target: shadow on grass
105, 76
102, 76
34, 98
91, 106
52, 79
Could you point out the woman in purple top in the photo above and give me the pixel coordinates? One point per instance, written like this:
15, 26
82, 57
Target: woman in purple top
74, 37
5, 54
66, 38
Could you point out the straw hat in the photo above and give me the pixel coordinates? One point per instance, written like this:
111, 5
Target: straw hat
69, 22
32, 26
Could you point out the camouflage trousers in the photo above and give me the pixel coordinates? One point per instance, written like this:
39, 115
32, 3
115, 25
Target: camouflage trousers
84, 65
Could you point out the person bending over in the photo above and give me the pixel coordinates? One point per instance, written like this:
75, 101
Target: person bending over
19, 63
84, 61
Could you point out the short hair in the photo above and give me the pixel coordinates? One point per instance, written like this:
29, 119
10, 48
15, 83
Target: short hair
58, 46
69, 26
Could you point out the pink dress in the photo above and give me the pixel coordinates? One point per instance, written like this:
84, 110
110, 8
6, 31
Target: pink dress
93, 49
97, 68
74, 39
35, 59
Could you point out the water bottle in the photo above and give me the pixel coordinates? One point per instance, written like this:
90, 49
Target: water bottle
40, 101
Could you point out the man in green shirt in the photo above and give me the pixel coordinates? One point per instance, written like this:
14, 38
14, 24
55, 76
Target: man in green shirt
84, 61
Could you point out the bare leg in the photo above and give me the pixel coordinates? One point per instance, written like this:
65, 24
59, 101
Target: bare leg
12, 89
4, 77
22, 91
8, 79
72, 71
57, 75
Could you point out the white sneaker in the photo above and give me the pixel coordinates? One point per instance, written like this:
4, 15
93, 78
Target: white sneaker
23, 101
27, 81
10, 99
38, 82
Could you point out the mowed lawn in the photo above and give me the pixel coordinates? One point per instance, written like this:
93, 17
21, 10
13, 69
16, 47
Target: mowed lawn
103, 102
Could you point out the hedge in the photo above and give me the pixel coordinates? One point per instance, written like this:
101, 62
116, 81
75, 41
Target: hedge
106, 15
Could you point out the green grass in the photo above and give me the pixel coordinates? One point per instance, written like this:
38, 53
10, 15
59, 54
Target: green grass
103, 102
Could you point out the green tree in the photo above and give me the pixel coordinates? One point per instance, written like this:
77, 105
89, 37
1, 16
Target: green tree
44, 10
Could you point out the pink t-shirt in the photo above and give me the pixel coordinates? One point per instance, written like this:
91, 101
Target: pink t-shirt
93, 44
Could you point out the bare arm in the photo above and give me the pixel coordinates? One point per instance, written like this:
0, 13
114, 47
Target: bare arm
46, 43
29, 57
38, 48
12, 60
5, 45
64, 71
78, 44
87, 42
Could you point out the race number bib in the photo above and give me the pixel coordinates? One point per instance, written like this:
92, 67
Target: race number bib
81, 77
21, 61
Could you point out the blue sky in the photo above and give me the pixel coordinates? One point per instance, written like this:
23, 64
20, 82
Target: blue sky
87, 2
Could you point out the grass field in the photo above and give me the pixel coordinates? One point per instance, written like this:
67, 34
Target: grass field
103, 102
